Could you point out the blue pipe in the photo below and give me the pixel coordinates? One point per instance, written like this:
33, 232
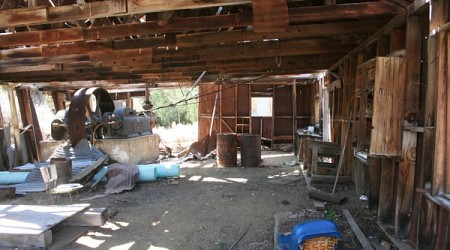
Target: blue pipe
166, 170
149, 172
7, 177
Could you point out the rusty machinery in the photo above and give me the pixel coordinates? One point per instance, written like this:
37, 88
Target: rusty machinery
92, 114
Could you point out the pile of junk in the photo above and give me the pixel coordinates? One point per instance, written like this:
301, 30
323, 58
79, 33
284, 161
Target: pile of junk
94, 142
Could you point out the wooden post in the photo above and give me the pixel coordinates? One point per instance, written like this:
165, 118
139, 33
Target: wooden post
397, 40
294, 115
15, 126
447, 168
325, 111
235, 107
220, 108
374, 185
386, 203
272, 129
383, 46
3, 155
24, 99
427, 223
58, 100
437, 75
405, 186
442, 226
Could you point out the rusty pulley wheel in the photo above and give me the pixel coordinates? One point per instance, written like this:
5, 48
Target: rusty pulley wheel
82, 114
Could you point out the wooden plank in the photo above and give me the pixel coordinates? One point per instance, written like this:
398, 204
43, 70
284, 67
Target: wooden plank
341, 11
17, 17
427, 223
375, 180
386, 206
365, 244
438, 76
185, 24
41, 15
15, 126
270, 15
388, 106
66, 236
386, 29
32, 241
447, 172
442, 224
413, 57
29, 226
93, 217
405, 187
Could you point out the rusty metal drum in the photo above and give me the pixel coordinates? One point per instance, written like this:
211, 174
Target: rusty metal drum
250, 150
227, 150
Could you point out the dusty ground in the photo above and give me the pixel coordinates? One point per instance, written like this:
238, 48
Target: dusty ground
209, 207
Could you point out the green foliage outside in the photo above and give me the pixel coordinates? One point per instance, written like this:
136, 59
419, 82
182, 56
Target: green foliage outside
182, 113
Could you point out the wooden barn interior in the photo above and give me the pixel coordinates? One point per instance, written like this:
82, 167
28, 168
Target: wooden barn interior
371, 75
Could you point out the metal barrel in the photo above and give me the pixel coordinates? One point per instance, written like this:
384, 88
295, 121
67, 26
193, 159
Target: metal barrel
227, 150
250, 150
63, 170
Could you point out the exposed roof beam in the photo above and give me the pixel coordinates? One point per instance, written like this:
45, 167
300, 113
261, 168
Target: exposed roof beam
359, 10
244, 49
395, 22
41, 15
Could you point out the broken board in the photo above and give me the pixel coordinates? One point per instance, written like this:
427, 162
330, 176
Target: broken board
29, 226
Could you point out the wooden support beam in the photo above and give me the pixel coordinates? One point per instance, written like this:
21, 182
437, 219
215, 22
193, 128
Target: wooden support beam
438, 77
418, 7
405, 186
447, 170
42, 15
58, 100
386, 29
186, 24
18, 159
340, 11
386, 207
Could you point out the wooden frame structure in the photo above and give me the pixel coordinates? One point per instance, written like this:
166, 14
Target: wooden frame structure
403, 163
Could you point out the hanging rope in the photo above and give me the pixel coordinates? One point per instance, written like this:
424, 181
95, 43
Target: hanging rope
278, 61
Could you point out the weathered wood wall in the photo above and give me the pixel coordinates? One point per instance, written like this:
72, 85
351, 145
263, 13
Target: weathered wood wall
290, 111
410, 183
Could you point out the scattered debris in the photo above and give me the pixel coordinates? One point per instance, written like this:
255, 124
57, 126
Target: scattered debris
359, 234
322, 196
94, 197
290, 163
285, 202
286, 180
85, 175
239, 237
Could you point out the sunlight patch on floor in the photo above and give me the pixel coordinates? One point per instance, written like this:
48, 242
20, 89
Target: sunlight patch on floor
90, 242
123, 246
285, 174
157, 248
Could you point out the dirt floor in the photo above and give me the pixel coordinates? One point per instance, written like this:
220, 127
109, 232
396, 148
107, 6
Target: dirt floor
210, 207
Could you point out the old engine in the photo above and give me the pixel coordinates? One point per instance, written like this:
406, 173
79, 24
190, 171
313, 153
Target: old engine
92, 115
125, 122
